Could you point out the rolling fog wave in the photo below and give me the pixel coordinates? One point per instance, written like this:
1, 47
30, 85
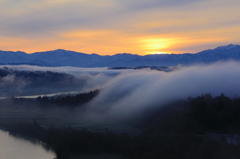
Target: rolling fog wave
126, 94
132, 93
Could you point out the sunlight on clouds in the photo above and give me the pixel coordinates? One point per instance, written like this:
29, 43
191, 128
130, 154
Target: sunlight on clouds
109, 42
15, 44
106, 42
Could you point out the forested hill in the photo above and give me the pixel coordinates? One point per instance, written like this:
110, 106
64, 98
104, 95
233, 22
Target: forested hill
196, 116
14, 82
158, 68
68, 101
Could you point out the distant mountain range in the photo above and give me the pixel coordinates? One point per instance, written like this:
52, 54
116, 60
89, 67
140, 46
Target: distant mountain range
70, 58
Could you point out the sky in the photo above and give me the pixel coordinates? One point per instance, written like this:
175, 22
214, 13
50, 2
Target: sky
108, 27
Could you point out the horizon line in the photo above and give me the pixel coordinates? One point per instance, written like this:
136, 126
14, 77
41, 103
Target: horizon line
157, 53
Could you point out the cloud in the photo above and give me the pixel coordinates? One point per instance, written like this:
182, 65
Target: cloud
33, 18
129, 95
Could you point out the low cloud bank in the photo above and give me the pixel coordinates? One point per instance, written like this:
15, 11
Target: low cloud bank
127, 94
90, 78
130, 94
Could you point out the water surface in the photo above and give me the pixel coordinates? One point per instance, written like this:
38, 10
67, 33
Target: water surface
19, 148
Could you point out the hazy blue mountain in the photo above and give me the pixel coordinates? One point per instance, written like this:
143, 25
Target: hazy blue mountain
70, 58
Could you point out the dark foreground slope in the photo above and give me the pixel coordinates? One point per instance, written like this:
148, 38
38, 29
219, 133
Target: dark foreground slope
177, 130
69, 142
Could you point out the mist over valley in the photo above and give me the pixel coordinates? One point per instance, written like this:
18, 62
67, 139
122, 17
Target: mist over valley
139, 102
124, 95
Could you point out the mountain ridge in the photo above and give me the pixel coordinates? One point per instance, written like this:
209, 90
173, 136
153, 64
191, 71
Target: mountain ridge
61, 57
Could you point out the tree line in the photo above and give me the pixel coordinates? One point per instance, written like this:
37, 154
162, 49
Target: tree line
196, 115
69, 100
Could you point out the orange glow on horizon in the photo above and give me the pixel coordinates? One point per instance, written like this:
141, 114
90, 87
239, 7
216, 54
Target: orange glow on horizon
110, 42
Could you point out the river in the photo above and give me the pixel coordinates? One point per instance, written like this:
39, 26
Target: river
49, 95
12, 147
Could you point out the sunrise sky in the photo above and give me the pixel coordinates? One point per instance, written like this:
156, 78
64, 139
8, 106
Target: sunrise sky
107, 27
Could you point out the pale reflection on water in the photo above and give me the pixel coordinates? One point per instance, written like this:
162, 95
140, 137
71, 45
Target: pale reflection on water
19, 148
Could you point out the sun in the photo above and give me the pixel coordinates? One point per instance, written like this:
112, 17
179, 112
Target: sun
156, 46
159, 53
